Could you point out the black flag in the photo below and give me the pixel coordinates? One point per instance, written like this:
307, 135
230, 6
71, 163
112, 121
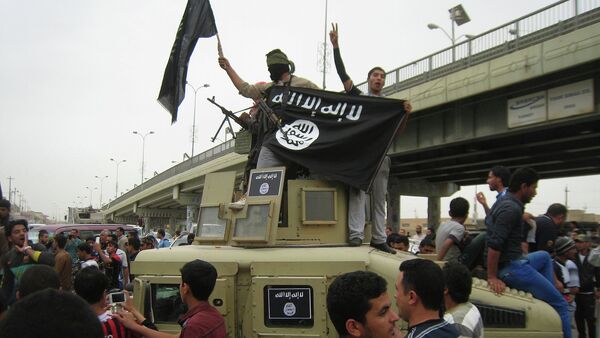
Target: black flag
197, 22
339, 136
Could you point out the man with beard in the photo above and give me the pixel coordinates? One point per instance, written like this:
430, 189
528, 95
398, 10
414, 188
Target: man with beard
497, 180
359, 306
19, 258
420, 297
506, 264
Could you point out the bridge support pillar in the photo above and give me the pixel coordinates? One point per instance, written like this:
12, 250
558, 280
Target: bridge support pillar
433, 191
393, 208
433, 211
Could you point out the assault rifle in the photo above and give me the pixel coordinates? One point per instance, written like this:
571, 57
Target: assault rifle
275, 121
228, 114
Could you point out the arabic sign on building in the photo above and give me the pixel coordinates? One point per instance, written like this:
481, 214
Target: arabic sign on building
572, 99
528, 109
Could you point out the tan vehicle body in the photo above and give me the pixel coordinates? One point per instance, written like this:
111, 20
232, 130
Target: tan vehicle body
273, 276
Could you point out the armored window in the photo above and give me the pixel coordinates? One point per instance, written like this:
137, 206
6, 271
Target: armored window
255, 225
319, 206
210, 226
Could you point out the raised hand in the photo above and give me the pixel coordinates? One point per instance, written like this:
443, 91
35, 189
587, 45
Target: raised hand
333, 35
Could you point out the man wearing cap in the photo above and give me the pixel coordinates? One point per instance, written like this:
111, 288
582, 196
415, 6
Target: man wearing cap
589, 279
280, 70
566, 271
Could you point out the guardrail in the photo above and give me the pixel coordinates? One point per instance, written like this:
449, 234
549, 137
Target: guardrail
206, 156
546, 23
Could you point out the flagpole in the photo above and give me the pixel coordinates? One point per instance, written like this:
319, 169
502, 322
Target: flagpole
324, 48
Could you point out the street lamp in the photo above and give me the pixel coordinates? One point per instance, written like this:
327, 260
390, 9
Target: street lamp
117, 162
91, 191
206, 85
101, 178
143, 148
458, 16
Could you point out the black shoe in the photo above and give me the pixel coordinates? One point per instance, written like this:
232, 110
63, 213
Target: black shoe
355, 242
383, 247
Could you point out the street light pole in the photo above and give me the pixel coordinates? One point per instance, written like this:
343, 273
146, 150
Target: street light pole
101, 178
143, 149
117, 162
458, 16
206, 85
91, 191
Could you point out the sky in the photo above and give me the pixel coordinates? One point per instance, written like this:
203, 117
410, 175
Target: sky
78, 77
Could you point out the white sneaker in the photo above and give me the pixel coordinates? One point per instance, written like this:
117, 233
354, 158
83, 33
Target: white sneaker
239, 205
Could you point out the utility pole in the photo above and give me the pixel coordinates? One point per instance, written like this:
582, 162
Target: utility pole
10, 179
567, 196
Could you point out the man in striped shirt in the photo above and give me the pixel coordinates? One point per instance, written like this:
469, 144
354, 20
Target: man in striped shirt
419, 297
459, 312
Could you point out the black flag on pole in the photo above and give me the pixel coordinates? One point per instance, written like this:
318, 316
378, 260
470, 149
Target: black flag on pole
197, 22
339, 136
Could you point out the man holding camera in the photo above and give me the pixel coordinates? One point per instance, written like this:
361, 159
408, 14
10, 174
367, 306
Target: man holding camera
202, 320
91, 285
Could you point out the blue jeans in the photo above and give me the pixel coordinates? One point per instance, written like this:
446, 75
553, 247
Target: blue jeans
534, 273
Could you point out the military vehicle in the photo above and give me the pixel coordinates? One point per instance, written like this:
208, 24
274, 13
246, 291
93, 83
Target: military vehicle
274, 270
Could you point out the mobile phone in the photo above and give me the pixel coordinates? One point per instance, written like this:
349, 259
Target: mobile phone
116, 297
98, 239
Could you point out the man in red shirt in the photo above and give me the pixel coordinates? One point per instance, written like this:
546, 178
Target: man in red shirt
202, 320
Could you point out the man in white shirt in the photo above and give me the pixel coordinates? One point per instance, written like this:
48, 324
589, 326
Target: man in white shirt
419, 236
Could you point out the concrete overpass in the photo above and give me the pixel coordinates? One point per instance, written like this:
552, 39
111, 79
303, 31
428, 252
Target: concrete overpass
524, 93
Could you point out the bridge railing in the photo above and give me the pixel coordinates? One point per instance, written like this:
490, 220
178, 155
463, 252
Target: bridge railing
197, 160
546, 23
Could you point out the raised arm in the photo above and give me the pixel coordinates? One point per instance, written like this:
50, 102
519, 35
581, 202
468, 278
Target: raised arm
481, 199
245, 89
337, 58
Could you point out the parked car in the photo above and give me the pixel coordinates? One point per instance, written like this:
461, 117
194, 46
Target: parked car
181, 240
85, 230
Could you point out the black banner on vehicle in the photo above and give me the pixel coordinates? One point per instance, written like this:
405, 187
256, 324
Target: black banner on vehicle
337, 136
287, 305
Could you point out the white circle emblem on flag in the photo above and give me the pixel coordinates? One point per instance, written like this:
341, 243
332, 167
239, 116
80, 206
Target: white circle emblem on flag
298, 135
264, 188
289, 309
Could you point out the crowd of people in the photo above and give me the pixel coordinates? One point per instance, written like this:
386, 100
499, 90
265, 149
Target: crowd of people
68, 279
69, 293
542, 255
